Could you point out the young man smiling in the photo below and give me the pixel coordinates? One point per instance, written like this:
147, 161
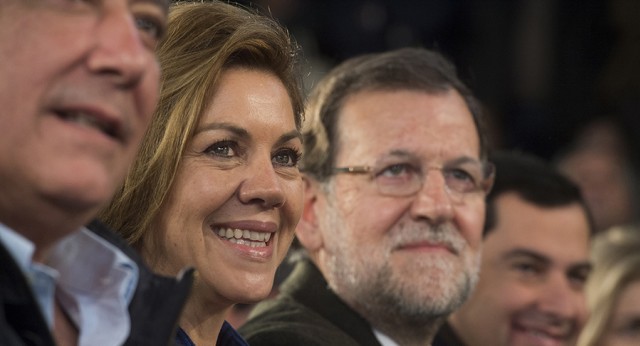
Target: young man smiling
535, 261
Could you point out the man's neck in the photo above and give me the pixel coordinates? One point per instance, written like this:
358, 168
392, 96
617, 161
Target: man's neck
408, 333
413, 336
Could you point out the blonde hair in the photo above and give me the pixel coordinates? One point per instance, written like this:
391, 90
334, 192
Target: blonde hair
203, 40
616, 258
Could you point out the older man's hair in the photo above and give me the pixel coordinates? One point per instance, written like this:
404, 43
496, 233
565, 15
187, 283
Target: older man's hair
413, 69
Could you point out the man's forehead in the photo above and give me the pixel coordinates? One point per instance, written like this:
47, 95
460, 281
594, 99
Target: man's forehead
509, 247
518, 233
164, 4
517, 214
398, 111
375, 126
540, 255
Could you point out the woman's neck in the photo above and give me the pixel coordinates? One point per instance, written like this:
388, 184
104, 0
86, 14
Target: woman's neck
202, 324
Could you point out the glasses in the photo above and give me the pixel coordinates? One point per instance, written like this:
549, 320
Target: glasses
400, 179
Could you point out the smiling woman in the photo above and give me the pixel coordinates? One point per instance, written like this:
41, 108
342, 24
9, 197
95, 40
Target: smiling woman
216, 185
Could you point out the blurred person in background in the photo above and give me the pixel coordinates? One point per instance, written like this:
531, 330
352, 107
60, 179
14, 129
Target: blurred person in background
613, 290
600, 162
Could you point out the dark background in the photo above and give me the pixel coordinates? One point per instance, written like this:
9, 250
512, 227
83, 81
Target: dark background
542, 68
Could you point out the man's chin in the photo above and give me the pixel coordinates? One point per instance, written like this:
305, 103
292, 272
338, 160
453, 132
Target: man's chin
79, 205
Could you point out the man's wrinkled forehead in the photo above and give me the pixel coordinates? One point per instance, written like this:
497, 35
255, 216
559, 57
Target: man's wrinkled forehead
352, 111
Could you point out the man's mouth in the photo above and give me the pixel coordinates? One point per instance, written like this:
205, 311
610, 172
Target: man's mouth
431, 246
244, 237
544, 337
109, 128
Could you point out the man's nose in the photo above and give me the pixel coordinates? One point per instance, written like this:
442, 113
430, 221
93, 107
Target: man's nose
433, 200
119, 51
561, 299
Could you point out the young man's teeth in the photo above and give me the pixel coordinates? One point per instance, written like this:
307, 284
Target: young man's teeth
245, 237
80, 118
539, 334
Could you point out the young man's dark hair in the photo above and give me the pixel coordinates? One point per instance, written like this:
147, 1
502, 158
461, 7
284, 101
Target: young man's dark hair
534, 180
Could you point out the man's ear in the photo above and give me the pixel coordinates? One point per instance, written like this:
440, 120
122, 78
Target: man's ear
308, 232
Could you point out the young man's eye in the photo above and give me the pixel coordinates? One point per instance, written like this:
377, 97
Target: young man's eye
287, 157
578, 278
527, 269
631, 327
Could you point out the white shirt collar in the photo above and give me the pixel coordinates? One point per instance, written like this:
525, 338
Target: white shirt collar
95, 281
384, 339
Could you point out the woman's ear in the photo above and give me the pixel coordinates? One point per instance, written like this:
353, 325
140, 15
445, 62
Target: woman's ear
308, 232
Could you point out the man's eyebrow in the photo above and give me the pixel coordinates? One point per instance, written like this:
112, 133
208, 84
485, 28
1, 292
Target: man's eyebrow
406, 154
463, 159
401, 153
523, 252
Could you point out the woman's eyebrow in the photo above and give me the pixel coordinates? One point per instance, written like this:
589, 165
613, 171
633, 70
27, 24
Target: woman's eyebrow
239, 131
289, 136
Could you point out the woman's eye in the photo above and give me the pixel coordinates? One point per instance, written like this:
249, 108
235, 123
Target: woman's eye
222, 149
286, 157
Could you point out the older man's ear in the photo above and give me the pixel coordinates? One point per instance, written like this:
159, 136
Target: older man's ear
308, 232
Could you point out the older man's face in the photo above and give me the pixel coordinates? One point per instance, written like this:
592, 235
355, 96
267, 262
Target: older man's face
418, 254
79, 86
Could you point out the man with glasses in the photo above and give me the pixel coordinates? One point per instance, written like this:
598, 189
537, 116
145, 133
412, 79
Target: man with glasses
396, 178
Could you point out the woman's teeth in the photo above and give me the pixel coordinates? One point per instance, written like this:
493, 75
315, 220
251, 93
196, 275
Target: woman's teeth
245, 237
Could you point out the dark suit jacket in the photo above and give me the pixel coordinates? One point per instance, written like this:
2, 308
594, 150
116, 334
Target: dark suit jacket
154, 308
446, 336
306, 312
